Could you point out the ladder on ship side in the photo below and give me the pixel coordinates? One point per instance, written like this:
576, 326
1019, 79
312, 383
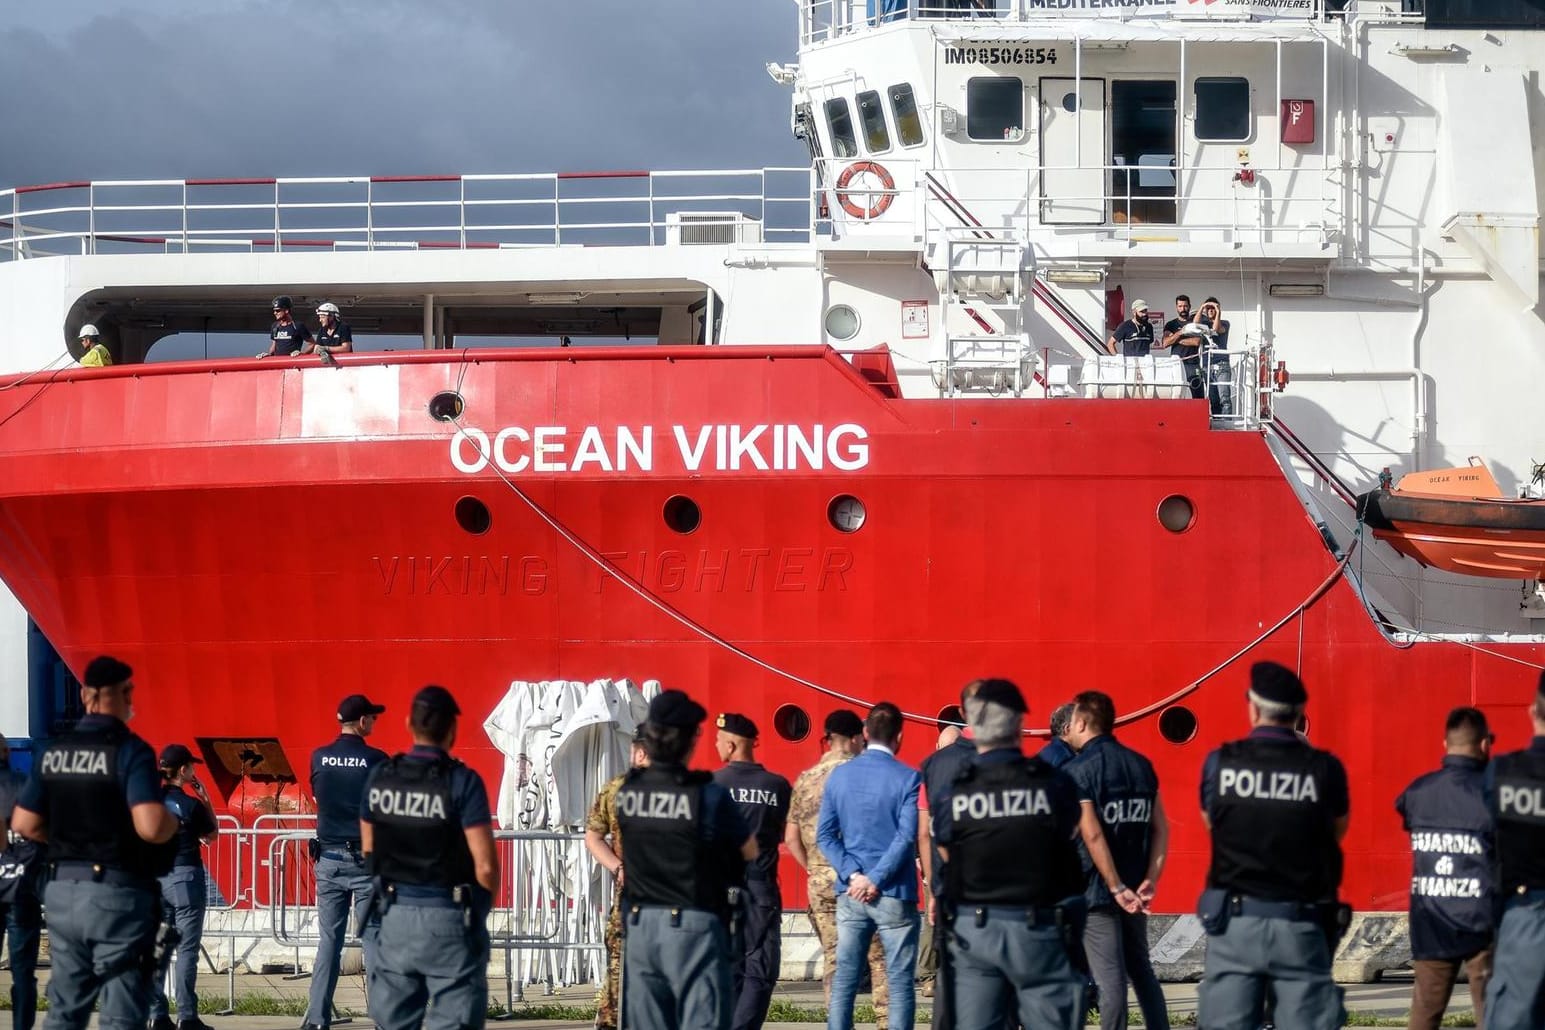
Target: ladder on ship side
981, 309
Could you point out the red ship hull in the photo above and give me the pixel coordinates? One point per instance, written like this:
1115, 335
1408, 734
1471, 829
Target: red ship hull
259, 540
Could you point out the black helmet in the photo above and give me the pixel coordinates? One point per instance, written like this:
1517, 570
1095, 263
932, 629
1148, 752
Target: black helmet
283, 303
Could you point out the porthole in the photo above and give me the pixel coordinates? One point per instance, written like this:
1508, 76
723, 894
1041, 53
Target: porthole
1177, 724
473, 516
950, 715
682, 514
846, 513
841, 322
1070, 102
446, 406
1176, 513
791, 722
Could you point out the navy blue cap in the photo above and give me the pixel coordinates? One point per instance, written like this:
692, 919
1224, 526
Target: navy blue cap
175, 756
106, 671
436, 698
739, 725
1277, 684
675, 708
356, 706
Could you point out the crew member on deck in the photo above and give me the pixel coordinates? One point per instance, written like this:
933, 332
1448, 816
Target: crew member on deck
286, 336
338, 774
762, 798
1134, 337
183, 891
428, 836
1515, 787
95, 799
21, 908
333, 336
96, 353
1453, 848
1277, 809
1013, 889
1187, 349
687, 849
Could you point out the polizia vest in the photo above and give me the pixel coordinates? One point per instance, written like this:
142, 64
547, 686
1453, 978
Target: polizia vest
1519, 800
418, 837
88, 816
668, 862
1007, 845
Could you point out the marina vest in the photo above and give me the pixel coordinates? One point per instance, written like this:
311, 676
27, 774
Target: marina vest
417, 828
1452, 854
1006, 844
668, 862
1273, 832
88, 816
1519, 800
762, 799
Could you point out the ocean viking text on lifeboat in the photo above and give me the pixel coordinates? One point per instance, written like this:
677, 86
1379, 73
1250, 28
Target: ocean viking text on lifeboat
721, 448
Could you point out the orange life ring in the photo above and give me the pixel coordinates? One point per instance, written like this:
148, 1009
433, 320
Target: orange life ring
882, 201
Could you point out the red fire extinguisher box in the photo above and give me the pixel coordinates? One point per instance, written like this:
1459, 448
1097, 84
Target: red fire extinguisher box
1298, 121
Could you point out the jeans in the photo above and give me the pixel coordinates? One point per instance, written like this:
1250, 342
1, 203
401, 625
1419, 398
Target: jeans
182, 905
99, 937
1116, 943
24, 925
342, 883
896, 922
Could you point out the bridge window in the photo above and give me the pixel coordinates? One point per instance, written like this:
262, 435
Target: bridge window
840, 121
1223, 110
877, 138
909, 126
995, 109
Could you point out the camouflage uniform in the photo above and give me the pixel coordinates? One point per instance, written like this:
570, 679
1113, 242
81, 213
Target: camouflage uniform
603, 820
804, 812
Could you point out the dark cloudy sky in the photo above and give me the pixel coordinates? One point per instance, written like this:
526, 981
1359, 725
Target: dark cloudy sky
107, 89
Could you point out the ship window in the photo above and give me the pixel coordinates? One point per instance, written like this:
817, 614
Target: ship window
682, 514
473, 516
791, 722
872, 113
1176, 513
909, 125
1223, 110
840, 121
1177, 724
995, 109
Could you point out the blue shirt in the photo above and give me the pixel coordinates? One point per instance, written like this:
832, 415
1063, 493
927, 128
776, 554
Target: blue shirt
338, 774
1056, 753
1337, 797
868, 822
136, 770
469, 797
1122, 787
194, 823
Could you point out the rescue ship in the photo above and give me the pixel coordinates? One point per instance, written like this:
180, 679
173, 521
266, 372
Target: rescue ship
797, 438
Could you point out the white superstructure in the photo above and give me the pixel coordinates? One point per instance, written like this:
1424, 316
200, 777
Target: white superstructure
1359, 188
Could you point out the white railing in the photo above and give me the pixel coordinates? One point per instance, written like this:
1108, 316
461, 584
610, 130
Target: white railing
625, 208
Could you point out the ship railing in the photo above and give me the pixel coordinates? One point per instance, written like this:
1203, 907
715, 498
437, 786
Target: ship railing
434, 212
822, 20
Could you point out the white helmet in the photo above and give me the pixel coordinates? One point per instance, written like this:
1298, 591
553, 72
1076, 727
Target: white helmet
87, 330
329, 308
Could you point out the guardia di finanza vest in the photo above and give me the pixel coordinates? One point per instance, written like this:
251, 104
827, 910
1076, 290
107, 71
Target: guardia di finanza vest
668, 863
1520, 806
418, 837
1452, 857
1273, 831
1006, 845
88, 816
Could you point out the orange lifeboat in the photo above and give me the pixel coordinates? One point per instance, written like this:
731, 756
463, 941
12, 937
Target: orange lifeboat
1458, 520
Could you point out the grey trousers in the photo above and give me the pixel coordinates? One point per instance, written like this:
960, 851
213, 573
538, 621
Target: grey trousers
430, 969
676, 971
1290, 955
183, 894
1515, 998
1031, 961
342, 885
1117, 945
99, 938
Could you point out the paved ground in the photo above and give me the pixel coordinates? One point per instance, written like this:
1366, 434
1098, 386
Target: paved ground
1382, 999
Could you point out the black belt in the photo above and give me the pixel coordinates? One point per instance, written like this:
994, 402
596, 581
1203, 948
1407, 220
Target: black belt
425, 896
343, 856
1296, 911
84, 872
1029, 915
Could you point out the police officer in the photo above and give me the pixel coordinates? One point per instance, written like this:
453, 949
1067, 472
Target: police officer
603, 839
95, 800
1118, 792
21, 907
338, 774
428, 834
1013, 922
1515, 786
183, 892
763, 800
1277, 809
1452, 850
687, 849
